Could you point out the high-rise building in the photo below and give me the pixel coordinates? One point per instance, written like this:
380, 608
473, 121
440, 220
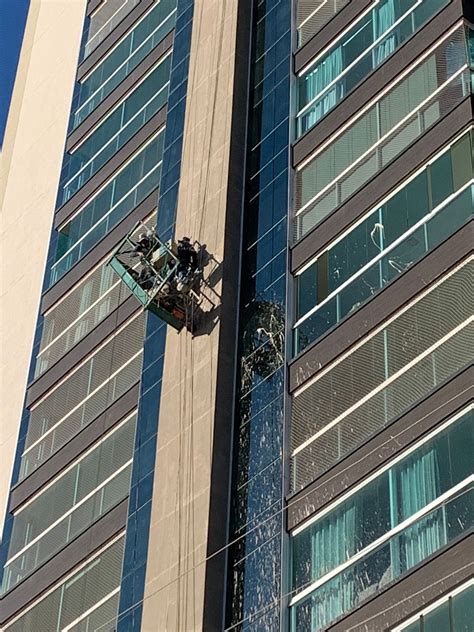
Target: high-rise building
294, 450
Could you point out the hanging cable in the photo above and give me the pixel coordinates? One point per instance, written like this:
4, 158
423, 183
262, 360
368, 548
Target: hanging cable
298, 500
286, 595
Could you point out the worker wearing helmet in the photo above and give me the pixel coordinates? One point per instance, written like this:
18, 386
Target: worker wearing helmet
187, 258
144, 244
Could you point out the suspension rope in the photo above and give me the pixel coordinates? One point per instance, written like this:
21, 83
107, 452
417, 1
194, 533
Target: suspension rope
286, 595
212, 126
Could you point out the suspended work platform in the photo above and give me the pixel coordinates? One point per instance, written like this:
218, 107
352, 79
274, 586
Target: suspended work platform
158, 276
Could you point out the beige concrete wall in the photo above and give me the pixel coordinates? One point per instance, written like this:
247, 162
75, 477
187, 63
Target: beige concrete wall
30, 165
174, 589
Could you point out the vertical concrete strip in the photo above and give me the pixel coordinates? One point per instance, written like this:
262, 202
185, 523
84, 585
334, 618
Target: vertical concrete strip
197, 380
30, 165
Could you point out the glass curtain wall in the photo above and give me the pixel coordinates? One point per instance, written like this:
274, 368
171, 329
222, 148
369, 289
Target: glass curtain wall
419, 98
356, 53
84, 394
411, 510
86, 598
127, 118
312, 16
71, 504
385, 243
122, 59
254, 560
127, 188
89, 302
102, 22
405, 359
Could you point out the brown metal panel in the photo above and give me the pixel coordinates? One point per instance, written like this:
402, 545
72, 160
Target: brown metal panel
92, 5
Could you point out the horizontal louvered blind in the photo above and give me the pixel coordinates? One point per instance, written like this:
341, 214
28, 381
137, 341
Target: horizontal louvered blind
75, 596
104, 20
68, 506
101, 619
104, 377
91, 300
312, 15
425, 94
424, 345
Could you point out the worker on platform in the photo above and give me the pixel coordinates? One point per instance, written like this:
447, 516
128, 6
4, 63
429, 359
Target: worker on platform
144, 244
187, 259
146, 278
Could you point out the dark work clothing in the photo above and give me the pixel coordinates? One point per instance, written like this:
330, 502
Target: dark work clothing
146, 279
187, 257
142, 246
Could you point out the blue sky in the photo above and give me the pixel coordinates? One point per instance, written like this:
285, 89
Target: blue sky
12, 25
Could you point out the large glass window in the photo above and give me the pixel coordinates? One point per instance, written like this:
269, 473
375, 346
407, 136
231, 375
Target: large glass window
382, 130
120, 62
96, 296
114, 131
363, 47
421, 346
87, 597
69, 505
386, 242
453, 613
412, 509
100, 23
77, 313
114, 201
85, 393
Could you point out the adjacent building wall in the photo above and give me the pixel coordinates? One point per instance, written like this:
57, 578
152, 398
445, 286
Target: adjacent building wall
30, 165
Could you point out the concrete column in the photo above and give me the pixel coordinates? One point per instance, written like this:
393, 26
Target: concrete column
196, 400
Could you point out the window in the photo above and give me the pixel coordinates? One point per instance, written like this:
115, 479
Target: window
104, 376
435, 203
358, 51
67, 507
381, 131
422, 345
411, 509
96, 296
100, 23
62, 322
312, 16
115, 130
452, 613
114, 201
120, 62
81, 597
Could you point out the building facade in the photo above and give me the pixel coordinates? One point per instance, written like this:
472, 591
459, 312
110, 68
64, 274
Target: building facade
300, 457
